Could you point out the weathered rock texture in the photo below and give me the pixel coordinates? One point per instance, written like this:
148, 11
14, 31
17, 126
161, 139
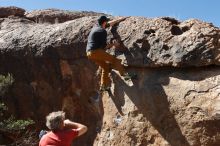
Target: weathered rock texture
164, 42
175, 100
11, 11
56, 15
177, 107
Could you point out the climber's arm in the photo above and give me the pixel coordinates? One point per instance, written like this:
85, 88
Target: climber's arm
113, 22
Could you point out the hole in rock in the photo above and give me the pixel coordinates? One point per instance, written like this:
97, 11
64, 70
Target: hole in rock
139, 40
185, 28
149, 31
175, 30
165, 47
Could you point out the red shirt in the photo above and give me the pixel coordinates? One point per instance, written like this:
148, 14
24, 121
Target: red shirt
59, 138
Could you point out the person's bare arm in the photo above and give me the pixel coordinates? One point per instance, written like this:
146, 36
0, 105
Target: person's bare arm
73, 125
113, 22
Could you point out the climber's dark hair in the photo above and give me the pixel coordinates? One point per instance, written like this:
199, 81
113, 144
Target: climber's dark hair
102, 19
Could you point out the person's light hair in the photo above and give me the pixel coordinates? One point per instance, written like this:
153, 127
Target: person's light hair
54, 120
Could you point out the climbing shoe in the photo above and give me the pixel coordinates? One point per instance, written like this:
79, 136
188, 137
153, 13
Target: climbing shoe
129, 76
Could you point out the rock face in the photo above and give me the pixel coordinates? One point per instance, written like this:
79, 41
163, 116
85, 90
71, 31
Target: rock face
9, 11
175, 100
56, 15
173, 107
164, 42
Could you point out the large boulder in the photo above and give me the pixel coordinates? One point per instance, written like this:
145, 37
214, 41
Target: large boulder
164, 107
11, 11
51, 72
56, 15
144, 42
164, 42
175, 100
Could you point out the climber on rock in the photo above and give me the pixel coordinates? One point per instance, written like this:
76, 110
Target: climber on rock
96, 46
62, 131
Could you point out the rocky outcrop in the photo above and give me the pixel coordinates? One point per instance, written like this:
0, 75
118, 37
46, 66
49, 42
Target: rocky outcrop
52, 76
164, 42
175, 100
11, 11
56, 15
168, 107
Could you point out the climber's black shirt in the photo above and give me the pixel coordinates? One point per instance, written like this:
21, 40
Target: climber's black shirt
97, 38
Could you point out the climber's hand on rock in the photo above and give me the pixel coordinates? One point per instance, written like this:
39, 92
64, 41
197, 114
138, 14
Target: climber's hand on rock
113, 22
122, 18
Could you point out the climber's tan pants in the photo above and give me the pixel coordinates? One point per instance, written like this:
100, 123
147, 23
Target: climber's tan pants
106, 62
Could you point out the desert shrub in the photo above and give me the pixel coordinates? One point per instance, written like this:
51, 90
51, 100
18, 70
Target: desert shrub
14, 129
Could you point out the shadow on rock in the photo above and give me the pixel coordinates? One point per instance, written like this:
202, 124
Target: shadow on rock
151, 100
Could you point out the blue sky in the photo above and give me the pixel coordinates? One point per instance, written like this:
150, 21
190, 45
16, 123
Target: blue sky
207, 10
